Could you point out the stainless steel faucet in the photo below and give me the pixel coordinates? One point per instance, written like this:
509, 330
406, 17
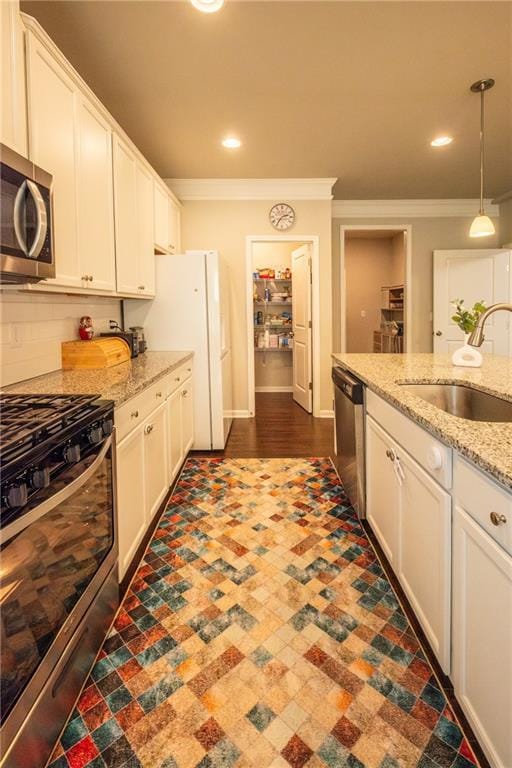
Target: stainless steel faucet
477, 337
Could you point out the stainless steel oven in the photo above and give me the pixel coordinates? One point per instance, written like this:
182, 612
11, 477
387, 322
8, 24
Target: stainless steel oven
26, 247
58, 581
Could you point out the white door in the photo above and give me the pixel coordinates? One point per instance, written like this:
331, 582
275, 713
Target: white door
382, 489
301, 319
126, 222
482, 636
131, 515
13, 109
472, 275
95, 199
187, 416
425, 554
146, 223
155, 460
161, 217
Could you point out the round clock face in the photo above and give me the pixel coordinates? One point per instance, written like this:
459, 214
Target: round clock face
282, 216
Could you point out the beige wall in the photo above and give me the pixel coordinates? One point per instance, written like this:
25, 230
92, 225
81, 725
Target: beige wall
224, 225
272, 254
427, 234
34, 325
368, 266
398, 259
506, 222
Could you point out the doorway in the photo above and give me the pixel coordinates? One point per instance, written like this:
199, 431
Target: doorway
375, 275
282, 280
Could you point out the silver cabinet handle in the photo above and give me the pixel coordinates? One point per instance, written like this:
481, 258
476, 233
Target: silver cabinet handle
158, 394
85, 277
178, 378
141, 287
391, 455
134, 414
171, 247
91, 278
497, 519
439, 333
184, 393
189, 370
148, 429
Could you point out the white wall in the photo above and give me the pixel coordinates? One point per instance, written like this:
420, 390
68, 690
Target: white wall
33, 326
224, 225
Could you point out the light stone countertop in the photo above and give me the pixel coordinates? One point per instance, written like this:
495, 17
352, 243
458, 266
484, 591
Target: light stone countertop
487, 444
118, 383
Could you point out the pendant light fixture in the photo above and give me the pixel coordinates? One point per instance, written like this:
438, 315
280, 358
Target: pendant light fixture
482, 225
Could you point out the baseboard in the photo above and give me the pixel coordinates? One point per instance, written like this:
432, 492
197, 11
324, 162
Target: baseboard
273, 389
326, 414
239, 414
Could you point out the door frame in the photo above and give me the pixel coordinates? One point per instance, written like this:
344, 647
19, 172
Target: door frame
407, 228
314, 242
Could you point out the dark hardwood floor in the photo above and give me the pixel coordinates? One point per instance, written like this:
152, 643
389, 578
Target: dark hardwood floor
280, 428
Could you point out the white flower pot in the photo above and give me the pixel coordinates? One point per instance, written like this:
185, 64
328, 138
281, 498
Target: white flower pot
467, 356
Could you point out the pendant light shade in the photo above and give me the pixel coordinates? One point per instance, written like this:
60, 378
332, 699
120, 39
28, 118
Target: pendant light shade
482, 226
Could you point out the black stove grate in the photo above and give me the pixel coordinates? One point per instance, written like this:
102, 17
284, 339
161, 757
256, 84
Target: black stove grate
28, 420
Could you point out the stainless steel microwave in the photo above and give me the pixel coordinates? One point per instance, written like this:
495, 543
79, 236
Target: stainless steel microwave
26, 247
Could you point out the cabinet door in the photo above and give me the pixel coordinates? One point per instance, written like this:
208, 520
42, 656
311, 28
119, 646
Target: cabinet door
126, 218
13, 103
482, 636
425, 553
174, 239
95, 199
187, 416
145, 221
155, 460
174, 421
131, 518
382, 489
53, 146
161, 238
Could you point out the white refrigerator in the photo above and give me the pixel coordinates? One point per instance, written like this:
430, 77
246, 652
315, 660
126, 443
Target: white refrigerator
191, 312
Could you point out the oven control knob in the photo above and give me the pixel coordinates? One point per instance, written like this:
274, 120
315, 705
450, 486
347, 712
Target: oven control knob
71, 453
95, 435
39, 478
16, 495
108, 426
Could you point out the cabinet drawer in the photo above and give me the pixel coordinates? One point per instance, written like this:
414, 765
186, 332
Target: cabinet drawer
133, 412
481, 498
177, 377
430, 453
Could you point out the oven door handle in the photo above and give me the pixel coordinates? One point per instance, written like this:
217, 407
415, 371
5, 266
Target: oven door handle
18, 525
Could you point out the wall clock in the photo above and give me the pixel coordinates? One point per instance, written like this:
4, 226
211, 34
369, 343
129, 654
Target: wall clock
282, 216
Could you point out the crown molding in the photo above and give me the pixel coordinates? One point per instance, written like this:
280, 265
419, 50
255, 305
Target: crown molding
252, 189
502, 198
344, 209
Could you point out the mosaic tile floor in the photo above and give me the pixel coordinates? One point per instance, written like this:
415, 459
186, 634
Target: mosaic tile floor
260, 631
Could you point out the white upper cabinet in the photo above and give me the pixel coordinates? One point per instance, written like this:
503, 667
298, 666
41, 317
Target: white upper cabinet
174, 226
53, 132
161, 218
95, 199
134, 224
13, 105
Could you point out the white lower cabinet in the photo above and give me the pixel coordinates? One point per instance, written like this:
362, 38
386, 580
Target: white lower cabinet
482, 610
425, 553
410, 515
154, 435
131, 514
382, 489
155, 463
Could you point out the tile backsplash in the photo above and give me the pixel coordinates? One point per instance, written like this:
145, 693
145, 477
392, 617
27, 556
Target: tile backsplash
32, 327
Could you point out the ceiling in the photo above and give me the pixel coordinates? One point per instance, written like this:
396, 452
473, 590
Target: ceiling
354, 90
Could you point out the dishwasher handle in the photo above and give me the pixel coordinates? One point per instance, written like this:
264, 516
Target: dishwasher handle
350, 386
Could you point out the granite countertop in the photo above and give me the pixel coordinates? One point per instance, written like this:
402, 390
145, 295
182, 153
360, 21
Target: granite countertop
487, 444
118, 383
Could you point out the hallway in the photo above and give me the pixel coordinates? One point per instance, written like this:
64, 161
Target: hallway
280, 428
261, 631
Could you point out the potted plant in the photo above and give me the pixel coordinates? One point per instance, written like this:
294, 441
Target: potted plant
466, 319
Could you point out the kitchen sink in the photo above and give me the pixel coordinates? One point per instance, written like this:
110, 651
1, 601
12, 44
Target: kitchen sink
462, 401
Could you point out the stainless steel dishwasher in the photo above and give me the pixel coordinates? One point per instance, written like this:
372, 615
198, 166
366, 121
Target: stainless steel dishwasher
349, 436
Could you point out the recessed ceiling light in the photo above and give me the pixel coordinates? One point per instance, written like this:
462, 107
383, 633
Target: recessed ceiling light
441, 141
207, 6
231, 142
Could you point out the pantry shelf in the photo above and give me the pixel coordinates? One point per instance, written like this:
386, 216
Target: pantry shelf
273, 349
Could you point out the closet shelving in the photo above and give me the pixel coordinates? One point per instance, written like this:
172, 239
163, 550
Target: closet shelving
266, 309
